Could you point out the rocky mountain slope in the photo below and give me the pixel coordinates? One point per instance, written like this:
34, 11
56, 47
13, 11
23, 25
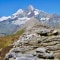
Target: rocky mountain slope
38, 42
37, 36
11, 24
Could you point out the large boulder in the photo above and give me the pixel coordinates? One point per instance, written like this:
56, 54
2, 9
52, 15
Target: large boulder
42, 33
21, 57
48, 32
55, 32
44, 53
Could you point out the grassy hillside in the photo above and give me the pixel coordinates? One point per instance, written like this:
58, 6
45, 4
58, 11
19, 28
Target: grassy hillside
6, 40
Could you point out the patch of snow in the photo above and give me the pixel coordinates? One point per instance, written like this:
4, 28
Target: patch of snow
24, 18
18, 12
29, 13
36, 12
4, 18
20, 21
45, 18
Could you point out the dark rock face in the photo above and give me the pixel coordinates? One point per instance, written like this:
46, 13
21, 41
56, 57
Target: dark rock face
47, 33
43, 34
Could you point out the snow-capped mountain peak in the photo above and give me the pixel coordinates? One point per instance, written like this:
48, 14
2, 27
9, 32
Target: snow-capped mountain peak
16, 20
30, 8
31, 11
20, 11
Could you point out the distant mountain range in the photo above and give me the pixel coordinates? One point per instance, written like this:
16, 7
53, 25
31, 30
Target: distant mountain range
11, 24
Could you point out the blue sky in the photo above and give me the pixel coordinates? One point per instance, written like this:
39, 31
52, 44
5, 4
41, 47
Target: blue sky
8, 7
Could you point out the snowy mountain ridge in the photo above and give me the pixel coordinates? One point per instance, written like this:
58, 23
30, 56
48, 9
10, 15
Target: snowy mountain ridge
16, 20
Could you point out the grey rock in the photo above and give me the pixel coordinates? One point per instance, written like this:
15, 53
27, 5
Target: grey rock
43, 53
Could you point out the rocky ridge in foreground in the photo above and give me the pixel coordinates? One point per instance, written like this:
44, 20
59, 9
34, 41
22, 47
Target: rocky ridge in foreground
36, 43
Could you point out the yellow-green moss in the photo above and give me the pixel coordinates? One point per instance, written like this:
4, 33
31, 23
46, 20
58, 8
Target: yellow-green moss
6, 40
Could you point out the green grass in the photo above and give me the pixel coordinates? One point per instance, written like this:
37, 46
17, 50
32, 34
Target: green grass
6, 40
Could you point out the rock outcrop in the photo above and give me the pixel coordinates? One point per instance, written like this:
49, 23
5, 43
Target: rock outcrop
37, 42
